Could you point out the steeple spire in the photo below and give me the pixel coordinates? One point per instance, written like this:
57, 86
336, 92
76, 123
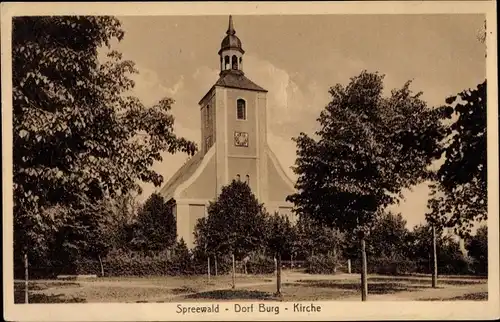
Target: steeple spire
230, 29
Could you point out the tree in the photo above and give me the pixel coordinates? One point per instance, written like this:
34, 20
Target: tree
77, 137
235, 223
155, 227
313, 238
388, 237
367, 150
280, 239
477, 248
460, 191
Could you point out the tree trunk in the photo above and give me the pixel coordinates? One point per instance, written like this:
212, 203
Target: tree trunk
102, 267
278, 275
434, 258
291, 261
208, 268
348, 266
364, 280
26, 278
215, 265
234, 272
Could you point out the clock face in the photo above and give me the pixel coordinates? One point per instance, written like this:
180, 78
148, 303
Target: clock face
240, 138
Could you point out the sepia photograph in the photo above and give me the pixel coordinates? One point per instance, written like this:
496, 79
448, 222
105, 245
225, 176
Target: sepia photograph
260, 165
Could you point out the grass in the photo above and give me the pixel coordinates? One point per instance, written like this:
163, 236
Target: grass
479, 296
248, 287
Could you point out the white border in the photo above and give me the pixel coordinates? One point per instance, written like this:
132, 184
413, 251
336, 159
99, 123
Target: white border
331, 310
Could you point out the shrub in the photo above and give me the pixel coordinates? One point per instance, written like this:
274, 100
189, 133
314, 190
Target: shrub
260, 264
322, 264
387, 266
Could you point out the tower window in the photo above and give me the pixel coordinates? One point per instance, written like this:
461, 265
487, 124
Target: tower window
226, 62
248, 179
234, 62
241, 110
238, 177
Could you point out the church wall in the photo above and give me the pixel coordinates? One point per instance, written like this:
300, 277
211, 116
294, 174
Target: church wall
244, 166
183, 225
208, 122
261, 106
221, 137
278, 188
204, 186
195, 212
248, 125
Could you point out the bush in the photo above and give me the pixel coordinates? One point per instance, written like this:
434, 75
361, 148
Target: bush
322, 264
387, 266
260, 264
177, 261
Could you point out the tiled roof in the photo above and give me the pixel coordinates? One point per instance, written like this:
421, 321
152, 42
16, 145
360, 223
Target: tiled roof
181, 175
238, 80
235, 79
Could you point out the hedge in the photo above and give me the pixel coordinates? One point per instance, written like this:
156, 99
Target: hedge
322, 264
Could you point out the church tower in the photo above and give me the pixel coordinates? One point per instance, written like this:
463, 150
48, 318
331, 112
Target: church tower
233, 146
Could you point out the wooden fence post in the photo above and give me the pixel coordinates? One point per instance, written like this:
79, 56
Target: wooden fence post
26, 278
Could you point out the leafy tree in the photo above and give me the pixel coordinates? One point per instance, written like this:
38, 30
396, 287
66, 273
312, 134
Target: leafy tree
155, 227
235, 222
460, 193
367, 150
280, 239
388, 236
77, 137
181, 257
477, 248
313, 238
450, 259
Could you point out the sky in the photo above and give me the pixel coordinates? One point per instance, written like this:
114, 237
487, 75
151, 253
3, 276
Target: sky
297, 59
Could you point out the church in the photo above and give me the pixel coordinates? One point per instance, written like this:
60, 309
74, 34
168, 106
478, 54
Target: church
233, 147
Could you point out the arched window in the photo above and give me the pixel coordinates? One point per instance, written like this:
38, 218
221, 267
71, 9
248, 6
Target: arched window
241, 111
235, 62
240, 60
226, 62
248, 179
238, 177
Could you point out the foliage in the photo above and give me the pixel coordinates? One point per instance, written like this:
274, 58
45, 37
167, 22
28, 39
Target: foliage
77, 137
322, 264
388, 237
368, 149
235, 223
477, 247
155, 228
181, 257
260, 264
389, 266
313, 238
460, 194
280, 235
450, 258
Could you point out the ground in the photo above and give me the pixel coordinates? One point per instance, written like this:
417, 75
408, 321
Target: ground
296, 286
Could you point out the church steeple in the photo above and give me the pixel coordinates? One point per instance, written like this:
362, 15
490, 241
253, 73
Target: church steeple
230, 29
231, 51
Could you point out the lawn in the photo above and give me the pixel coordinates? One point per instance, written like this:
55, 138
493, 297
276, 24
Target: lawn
295, 287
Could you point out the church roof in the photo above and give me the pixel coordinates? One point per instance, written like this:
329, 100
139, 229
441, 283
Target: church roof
235, 79
184, 172
238, 80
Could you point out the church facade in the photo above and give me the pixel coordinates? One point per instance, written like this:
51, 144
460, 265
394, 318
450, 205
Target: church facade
233, 147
